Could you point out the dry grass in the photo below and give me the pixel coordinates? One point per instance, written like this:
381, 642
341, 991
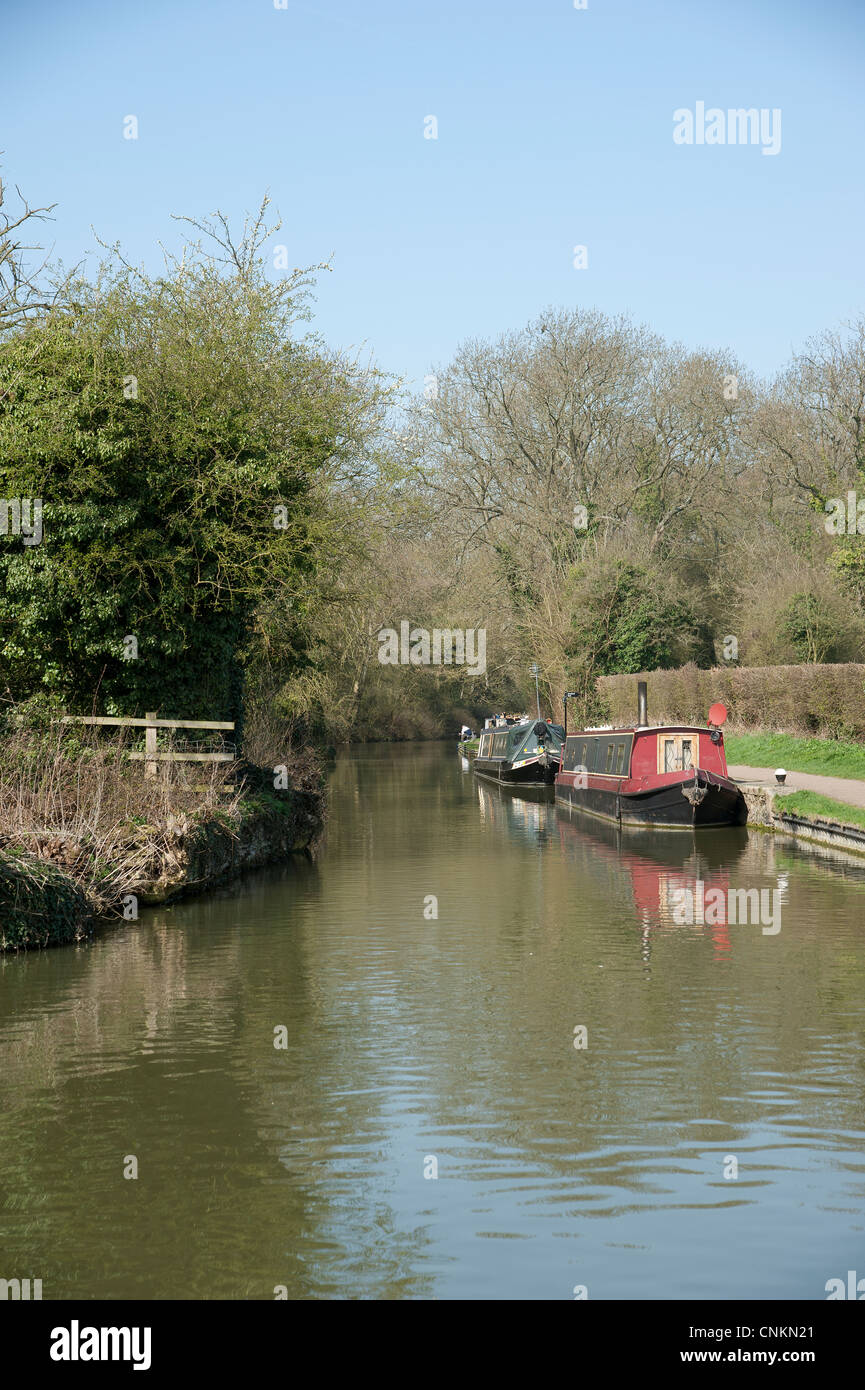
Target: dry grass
72, 796
270, 740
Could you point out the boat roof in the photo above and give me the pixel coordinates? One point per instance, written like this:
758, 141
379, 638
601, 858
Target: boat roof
645, 729
519, 731
503, 728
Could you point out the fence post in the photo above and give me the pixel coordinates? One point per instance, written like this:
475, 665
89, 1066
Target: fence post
151, 769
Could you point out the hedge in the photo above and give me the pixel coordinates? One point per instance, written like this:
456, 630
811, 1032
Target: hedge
826, 701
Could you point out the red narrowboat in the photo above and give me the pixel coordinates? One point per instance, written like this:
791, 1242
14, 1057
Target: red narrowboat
667, 776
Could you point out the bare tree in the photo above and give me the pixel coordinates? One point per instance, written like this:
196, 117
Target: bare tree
23, 289
810, 431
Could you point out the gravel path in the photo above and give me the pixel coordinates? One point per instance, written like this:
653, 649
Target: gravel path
839, 788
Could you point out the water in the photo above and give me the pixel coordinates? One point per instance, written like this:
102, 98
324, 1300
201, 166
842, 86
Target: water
414, 1041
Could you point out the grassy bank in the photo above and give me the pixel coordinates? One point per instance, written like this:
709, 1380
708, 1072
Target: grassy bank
85, 837
827, 757
813, 805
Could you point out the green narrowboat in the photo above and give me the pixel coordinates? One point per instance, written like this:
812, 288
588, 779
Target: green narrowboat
522, 755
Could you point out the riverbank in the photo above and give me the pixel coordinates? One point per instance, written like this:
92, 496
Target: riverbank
39, 904
823, 795
57, 885
844, 791
805, 815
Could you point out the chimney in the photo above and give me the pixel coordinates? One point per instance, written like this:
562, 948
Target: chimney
642, 703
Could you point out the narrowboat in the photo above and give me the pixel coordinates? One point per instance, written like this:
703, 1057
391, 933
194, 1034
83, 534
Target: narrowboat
671, 776
521, 755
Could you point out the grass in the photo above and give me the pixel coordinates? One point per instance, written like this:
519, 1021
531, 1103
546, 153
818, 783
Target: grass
814, 804
82, 828
73, 799
829, 757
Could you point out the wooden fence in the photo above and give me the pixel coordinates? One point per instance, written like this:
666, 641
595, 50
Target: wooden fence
151, 723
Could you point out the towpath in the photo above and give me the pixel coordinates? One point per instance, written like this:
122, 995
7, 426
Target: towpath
845, 789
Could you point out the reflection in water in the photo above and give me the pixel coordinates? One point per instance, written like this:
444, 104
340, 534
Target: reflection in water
429, 973
669, 868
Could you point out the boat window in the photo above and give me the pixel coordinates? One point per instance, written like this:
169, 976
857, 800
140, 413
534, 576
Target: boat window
579, 753
676, 753
620, 756
611, 748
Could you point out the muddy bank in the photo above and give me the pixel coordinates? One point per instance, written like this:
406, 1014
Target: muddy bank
195, 856
52, 887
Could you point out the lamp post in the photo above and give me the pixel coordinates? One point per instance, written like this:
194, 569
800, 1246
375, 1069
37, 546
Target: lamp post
536, 671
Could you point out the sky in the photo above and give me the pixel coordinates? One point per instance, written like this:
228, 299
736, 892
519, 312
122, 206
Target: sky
554, 130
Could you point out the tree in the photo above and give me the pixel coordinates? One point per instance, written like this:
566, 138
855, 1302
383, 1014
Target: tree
810, 434
24, 293
187, 446
812, 630
577, 441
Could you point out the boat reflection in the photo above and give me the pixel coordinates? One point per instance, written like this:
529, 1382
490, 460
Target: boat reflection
532, 810
678, 880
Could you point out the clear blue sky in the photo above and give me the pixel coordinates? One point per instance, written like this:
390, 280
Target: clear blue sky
554, 128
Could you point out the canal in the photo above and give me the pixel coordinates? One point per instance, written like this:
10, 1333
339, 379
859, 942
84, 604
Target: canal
477, 1050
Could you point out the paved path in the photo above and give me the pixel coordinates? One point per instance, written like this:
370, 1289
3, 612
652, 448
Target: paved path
844, 789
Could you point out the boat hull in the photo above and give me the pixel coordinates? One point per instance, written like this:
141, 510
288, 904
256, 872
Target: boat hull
717, 802
535, 773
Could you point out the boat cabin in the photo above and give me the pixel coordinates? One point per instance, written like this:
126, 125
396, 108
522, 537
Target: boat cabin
643, 753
